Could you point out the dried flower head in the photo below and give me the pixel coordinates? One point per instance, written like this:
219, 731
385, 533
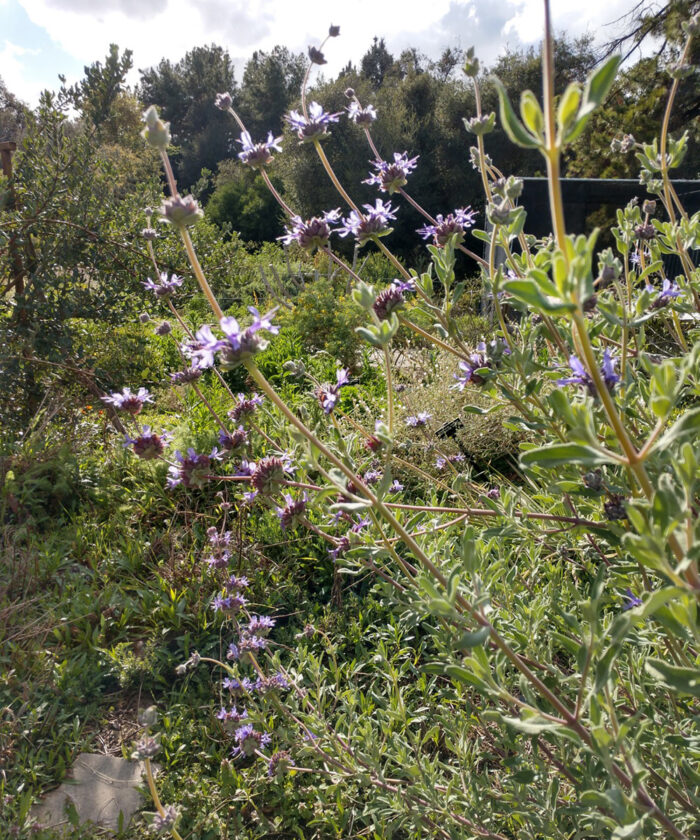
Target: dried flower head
316, 56
223, 101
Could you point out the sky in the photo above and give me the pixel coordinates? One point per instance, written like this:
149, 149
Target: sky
40, 39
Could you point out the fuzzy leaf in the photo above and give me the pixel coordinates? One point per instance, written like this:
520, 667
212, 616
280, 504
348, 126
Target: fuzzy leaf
680, 680
564, 453
512, 126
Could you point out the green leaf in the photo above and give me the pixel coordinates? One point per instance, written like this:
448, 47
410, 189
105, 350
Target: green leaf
531, 726
599, 82
568, 106
680, 680
473, 639
626, 832
564, 453
597, 88
512, 126
529, 292
531, 112
462, 675
685, 427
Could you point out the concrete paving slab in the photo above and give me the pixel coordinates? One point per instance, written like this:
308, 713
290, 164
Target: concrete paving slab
101, 787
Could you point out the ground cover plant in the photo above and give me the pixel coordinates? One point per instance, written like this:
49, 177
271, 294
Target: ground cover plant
370, 625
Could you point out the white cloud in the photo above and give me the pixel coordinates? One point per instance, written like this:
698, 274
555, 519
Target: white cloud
156, 29
527, 21
85, 28
14, 74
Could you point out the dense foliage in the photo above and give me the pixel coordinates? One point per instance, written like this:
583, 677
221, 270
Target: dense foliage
411, 554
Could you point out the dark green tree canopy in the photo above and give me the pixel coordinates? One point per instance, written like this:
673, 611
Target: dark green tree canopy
271, 82
376, 62
96, 93
184, 92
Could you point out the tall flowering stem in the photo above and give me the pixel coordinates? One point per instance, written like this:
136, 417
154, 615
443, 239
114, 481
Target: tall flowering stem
187, 242
552, 151
635, 460
156, 798
668, 200
480, 144
670, 194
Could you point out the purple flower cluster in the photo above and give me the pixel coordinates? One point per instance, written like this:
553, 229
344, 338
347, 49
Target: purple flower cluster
632, 600
390, 177
392, 298
128, 401
315, 126
487, 357
219, 549
669, 291
327, 394
264, 685
186, 376
249, 741
148, 445
269, 473
258, 155
237, 346
245, 406
233, 441
260, 625
228, 604
583, 378
280, 762
165, 286
419, 420
236, 687
441, 462
192, 469
312, 233
231, 716
364, 117
341, 546
373, 224
247, 644
445, 228
293, 511
372, 477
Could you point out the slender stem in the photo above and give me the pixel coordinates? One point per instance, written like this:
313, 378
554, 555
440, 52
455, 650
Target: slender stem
334, 178
678, 330
199, 273
432, 338
283, 204
387, 253
206, 402
389, 389
480, 145
633, 458
624, 302
492, 271
154, 795
552, 150
169, 174
664, 137
336, 183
